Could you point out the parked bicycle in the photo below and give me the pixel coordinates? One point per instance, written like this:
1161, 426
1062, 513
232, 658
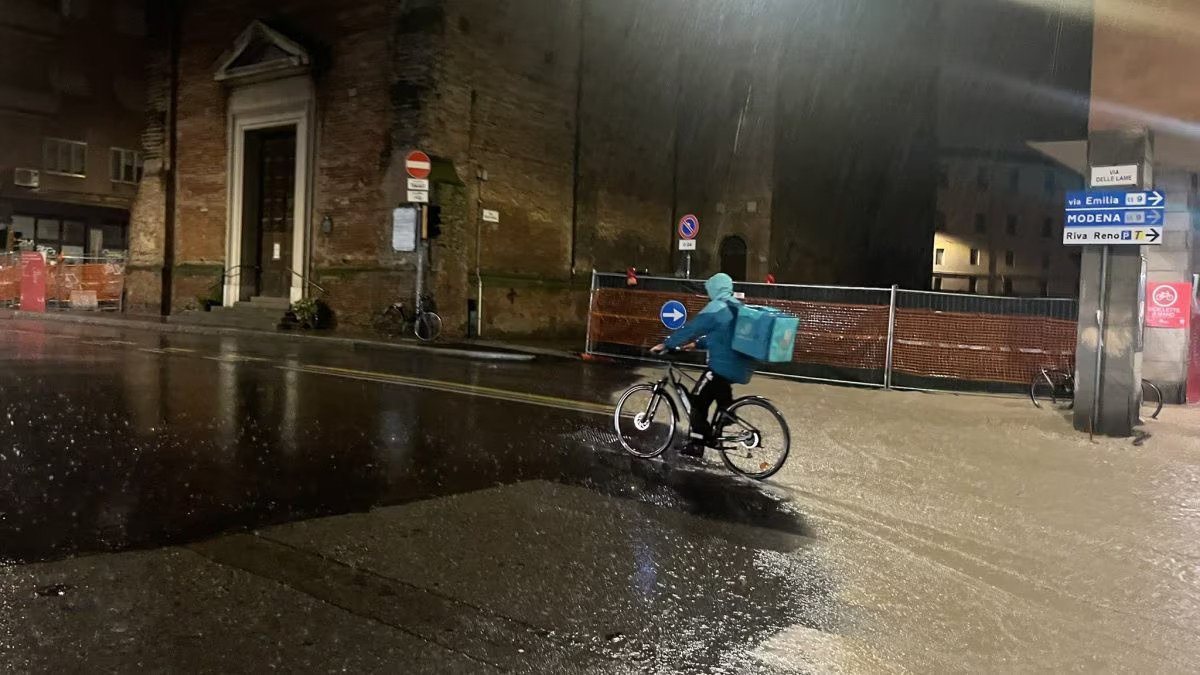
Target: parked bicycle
751, 435
424, 322
1057, 386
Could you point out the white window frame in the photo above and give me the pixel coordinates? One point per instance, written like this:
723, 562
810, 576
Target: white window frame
124, 158
59, 145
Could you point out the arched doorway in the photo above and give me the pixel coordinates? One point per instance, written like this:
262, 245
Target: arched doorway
733, 257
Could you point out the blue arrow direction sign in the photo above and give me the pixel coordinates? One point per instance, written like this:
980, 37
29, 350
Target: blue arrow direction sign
1107, 199
1113, 218
673, 314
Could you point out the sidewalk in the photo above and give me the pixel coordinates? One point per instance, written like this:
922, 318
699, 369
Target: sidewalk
488, 350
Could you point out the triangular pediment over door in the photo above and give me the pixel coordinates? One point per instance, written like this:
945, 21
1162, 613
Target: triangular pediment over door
261, 52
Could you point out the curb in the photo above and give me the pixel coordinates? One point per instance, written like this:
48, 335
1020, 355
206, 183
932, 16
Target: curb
512, 355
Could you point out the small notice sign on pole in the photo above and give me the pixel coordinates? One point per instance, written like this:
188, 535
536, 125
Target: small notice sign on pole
404, 229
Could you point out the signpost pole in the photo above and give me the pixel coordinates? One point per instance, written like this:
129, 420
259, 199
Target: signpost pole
1104, 251
1113, 219
420, 285
688, 229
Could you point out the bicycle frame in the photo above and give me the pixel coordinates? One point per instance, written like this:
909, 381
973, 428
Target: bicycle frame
674, 385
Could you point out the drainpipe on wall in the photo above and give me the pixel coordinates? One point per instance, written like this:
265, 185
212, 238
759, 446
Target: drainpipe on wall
174, 50
578, 144
481, 177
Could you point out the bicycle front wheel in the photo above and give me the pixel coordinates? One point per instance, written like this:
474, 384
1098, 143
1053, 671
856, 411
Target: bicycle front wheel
645, 421
428, 326
754, 438
1152, 402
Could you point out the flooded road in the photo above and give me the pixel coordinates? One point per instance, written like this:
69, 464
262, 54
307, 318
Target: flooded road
132, 441
318, 509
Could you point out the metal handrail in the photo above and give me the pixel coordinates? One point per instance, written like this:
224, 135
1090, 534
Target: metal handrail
308, 281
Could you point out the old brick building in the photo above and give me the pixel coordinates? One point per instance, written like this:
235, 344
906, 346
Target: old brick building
277, 133
71, 102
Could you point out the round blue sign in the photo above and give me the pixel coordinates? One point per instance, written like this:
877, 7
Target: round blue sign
689, 227
673, 314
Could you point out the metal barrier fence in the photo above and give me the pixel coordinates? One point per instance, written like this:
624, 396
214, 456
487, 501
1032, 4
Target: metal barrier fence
75, 283
880, 337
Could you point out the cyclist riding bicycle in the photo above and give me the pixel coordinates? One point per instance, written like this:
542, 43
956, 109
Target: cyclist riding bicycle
712, 330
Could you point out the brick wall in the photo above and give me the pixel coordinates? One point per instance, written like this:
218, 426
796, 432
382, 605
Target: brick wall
540, 93
350, 45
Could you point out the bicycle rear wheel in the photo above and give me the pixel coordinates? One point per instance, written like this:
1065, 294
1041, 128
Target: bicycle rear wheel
754, 438
645, 421
390, 323
1053, 387
1152, 402
428, 326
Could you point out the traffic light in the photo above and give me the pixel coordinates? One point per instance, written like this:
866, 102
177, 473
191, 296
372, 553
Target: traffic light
434, 224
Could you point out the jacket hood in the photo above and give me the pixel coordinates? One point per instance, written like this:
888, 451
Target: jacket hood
719, 287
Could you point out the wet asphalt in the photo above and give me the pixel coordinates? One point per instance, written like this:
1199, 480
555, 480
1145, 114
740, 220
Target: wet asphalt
122, 440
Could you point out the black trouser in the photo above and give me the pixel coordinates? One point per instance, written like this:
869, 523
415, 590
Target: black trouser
712, 387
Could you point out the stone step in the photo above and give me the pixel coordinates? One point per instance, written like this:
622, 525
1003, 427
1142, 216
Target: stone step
242, 315
277, 303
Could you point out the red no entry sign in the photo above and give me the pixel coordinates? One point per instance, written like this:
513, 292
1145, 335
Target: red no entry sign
418, 164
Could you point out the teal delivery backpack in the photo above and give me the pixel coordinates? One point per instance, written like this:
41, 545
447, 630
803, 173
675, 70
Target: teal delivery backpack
765, 334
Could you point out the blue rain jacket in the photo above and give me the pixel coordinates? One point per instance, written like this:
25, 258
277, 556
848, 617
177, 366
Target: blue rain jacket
712, 329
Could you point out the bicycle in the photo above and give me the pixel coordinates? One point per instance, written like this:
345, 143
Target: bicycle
738, 435
424, 323
1058, 385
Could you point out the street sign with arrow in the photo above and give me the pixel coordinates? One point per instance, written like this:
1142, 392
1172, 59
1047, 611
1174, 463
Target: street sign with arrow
673, 314
1113, 217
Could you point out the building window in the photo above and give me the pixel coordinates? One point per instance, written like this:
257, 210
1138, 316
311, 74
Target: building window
1008, 287
980, 223
1010, 259
973, 285
981, 179
1048, 228
1011, 225
126, 166
1049, 183
974, 256
937, 283
1046, 261
939, 222
1014, 180
64, 158
943, 176
939, 257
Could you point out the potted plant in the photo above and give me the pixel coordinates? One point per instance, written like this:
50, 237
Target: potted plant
311, 313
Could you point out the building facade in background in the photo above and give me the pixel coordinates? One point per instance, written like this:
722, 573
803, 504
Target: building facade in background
71, 118
277, 133
1000, 225
1012, 73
